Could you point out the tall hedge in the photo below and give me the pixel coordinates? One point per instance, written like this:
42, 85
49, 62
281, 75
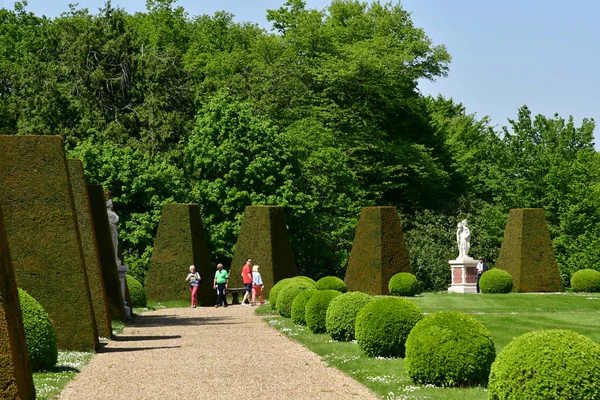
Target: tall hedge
180, 242
89, 247
265, 239
527, 253
378, 251
15, 366
43, 235
106, 252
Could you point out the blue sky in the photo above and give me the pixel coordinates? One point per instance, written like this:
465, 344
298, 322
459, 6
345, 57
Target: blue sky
542, 53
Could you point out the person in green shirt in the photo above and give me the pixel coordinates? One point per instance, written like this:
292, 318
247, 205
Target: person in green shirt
221, 283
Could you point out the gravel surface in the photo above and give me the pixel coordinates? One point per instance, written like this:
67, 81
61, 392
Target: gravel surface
208, 353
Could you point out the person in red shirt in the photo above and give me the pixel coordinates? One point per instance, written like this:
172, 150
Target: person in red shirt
247, 277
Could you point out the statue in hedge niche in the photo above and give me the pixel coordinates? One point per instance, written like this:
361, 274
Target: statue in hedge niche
463, 239
113, 218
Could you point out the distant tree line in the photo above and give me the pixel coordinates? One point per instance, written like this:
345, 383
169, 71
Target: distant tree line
322, 115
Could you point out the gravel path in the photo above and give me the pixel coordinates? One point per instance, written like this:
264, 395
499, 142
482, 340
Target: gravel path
208, 353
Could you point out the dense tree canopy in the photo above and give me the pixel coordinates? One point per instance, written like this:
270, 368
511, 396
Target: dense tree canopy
322, 115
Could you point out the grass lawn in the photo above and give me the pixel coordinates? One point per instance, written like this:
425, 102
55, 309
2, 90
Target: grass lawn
48, 384
505, 316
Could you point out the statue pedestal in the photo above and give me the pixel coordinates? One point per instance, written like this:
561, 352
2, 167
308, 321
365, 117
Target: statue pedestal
464, 275
122, 272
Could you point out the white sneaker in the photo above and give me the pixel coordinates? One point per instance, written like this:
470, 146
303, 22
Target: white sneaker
245, 305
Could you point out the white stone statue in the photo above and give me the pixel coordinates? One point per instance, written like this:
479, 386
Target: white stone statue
113, 218
463, 239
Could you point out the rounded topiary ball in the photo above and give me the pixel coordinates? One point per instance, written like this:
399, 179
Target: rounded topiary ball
403, 284
496, 281
449, 349
331, 283
305, 278
299, 306
316, 309
341, 315
275, 291
39, 333
287, 295
586, 280
383, 325
136, 292
547, 364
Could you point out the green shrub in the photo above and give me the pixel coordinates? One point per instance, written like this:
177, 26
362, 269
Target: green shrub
404, 284
287, 294
275, 292
299, 306
383, 325
331, 283
306, 278
341, 315
449, 349
586, 280
39, 333
316, 309
496, 281
136, 292
547, 364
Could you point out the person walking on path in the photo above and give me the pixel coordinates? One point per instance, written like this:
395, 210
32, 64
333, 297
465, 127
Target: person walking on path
257, 285
194, 279
247, 278
221, 283
481, 267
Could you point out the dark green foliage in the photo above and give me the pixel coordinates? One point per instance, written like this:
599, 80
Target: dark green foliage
89, 247
264, 238
40, 334
331, 283
136, 292
383, 325
42, 231
180, 242
547, 365
106, 252
15, 371
496, 281
378, 251
299, 306
275, 290
586, 280
527, 253
404, 284
286, 296
316, 309
449, 349
341, 315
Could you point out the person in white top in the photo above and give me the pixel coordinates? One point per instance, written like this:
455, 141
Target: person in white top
257, 285
481, 268
194, 279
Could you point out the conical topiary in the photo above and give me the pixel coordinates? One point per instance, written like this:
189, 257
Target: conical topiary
378, 251
527, 253
265, 239
180, 242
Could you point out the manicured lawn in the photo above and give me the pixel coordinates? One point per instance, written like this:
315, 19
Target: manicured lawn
48, 384
505, 316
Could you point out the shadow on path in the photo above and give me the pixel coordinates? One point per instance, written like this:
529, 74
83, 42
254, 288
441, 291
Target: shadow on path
173, 320
134, 338
126, 349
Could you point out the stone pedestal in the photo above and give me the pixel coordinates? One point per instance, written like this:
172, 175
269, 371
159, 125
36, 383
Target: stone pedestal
464, 275
122, 272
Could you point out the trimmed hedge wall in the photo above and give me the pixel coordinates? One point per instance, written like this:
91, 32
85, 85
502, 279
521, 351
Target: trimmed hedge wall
331, 283
180, 242
449, 349
341, 315
89, 247
106, 252
43, 236
378, 251
383, 325
316, 309
265, 239
286, 296
39, 333
547, 364
16, 381
404, 284
527, 253
136, 292
586, 280
496, 281
299, 306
